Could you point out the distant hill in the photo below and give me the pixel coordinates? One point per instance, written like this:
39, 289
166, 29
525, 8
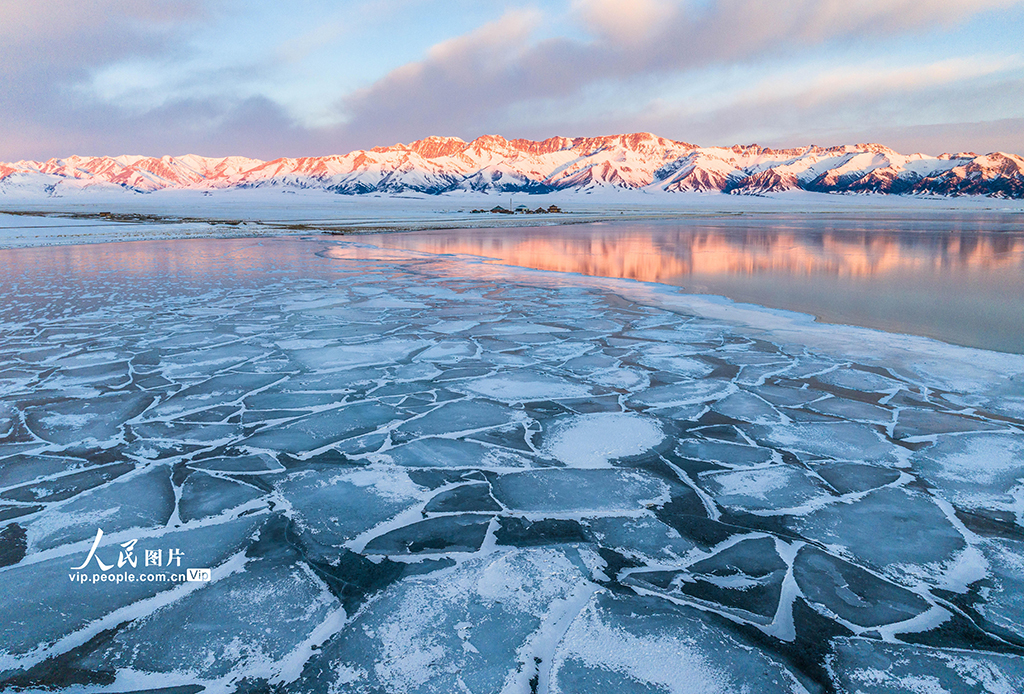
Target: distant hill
639, 161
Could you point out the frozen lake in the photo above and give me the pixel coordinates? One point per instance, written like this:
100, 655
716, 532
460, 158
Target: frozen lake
954, 276
415, 473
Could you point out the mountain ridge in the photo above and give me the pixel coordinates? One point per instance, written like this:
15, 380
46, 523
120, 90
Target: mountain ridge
491, 163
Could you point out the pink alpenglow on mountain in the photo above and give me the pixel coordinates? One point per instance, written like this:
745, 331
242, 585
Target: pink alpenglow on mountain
638, 161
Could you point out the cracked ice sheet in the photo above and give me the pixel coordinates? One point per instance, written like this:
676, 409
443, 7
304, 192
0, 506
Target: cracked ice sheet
594, 440
638, 644
981, 472
245, 622
413, 420
477, 627
874, 668
38, 608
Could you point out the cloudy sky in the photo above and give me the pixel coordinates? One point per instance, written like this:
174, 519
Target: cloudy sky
263, 78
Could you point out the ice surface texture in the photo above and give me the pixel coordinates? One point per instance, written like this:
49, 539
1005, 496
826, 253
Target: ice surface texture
419, 474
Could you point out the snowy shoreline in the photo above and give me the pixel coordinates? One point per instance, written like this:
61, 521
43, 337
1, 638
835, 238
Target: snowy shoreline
93, 217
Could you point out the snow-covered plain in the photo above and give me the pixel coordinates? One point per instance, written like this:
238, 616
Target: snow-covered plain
413, 473
101, 216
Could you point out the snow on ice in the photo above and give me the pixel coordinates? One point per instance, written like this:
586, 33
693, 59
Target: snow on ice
410, 473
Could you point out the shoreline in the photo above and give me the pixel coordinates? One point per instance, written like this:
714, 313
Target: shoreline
261, 213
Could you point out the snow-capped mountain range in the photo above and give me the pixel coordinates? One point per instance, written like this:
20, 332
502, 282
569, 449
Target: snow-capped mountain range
639, 161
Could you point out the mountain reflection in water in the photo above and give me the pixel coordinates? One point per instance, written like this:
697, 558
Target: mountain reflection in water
958, 277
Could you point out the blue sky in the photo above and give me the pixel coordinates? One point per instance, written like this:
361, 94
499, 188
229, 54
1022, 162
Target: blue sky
265, 79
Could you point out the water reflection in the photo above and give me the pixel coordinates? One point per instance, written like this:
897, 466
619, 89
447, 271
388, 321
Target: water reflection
660, 253
958, 279
141, 271
197, 259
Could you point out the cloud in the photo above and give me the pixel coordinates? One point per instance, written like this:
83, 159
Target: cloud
869, 80
473, 81
630, 22
682, 33
730, 29
298, 48
68, 35
47, 47
459, 81
146, 76
255, 127
844, 105
1005, 134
